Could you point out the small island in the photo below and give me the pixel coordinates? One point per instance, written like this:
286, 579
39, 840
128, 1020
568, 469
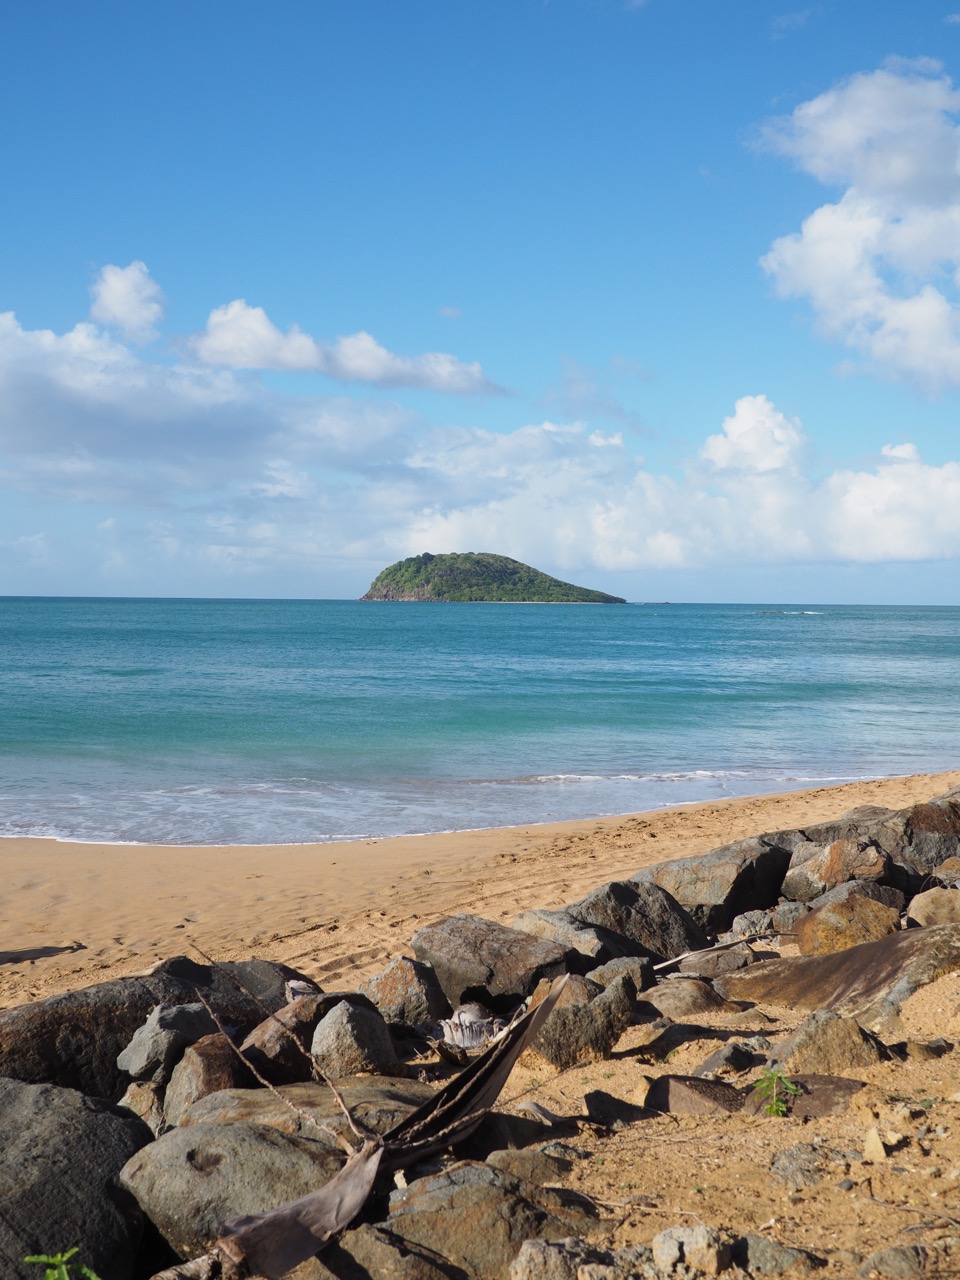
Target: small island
475, 576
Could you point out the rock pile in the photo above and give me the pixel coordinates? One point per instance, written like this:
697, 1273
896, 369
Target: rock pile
141, 1114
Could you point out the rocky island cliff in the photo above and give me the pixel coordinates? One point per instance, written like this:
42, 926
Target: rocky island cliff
471, 576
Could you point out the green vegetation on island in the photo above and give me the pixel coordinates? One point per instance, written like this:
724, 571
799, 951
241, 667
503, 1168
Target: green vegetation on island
469, 576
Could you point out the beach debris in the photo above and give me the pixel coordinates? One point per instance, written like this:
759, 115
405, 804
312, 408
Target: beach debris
477, 959
470, 1027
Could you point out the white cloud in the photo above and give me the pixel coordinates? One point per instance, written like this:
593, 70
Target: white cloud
126, 298
881, 265
239, 336
757, 437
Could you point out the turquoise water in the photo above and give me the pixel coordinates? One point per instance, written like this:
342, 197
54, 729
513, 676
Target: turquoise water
218, 721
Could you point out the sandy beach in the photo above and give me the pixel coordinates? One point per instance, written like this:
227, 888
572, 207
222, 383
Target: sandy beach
79, 913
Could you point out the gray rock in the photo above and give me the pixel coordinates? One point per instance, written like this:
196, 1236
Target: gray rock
350, 1039
592, 943
693, 1096
901, 1262
371, 1251
192, 1179
698, 1248
532, 1165
829, 1044
867, 982
279, 1047
477, 959
206, 1067
762, 1257
639, 969
716, 887
732, 1057
378, 1102
589, 1031
644, 913
819, 1096
479, 1217
749, 923
407, 992
74, 1039
923, 836
785, 915
59, 1159
806, 1164
884, 893
711, 964
157, 1046
556, 1259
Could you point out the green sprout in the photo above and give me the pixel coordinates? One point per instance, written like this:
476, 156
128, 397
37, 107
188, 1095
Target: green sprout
777, 1091
59, 1267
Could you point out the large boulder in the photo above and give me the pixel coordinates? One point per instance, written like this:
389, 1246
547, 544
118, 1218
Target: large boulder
644, 913
826, 1043
923, 836
868, 982
477, 959
191, 1180
836, 926
830, 865
60, 1158
351, 1039
73, 1040
407, 993
593, 944
206, 1067
716, 887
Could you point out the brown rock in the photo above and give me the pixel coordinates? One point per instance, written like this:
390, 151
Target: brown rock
710, 964
209, 1065
935, 906
679, 998
589, 1030
867, 982
833, 864
836, 926
820, 1095
279, 1047
407, 992
692, 1096
827, 1043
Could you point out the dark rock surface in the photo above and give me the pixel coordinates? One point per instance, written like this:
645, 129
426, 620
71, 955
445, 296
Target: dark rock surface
407, 992
206, 1067
477, 959
74, 1040
279, 1047
645, 914
692, 1096
60, 1158
588, 1031
718, 886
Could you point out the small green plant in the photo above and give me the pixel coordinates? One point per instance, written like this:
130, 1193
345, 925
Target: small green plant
777, 1091
59, 1267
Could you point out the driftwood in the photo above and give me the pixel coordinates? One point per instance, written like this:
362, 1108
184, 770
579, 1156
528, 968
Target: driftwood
271, 1244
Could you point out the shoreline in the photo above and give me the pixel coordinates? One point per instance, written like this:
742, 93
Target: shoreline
76, 912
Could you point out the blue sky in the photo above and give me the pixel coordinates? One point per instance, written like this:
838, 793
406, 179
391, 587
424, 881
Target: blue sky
660, 297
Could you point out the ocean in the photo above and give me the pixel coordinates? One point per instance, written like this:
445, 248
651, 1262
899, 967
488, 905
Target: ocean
285, 721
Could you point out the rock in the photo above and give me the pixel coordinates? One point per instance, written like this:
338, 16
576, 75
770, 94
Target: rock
715, 887
710, 964
936, 906
901, 1262
819, 1096
948, 872
378, 1103
588, 1031
732, 1057
785, 915
749, 923
762, 1257
837, 926
644, 913
639, 969
407, 992
592, 944
351, 1039
923, 836
806, 1164
369, 1250
557, 1259
479, 1217
532, 1165
60, 1156
145, 1100
192, 1179
279, 1047
476, 959
698, 1248
885, 893
867, 982
874, 1151
692, 1096
831, 865
827, 1043
74, 1039
679, 998
605, 1109
210, 1065
157, 1046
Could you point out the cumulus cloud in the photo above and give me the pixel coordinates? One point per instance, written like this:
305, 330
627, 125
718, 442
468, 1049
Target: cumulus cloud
239, 336
757, 437
880, 266
126, 298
